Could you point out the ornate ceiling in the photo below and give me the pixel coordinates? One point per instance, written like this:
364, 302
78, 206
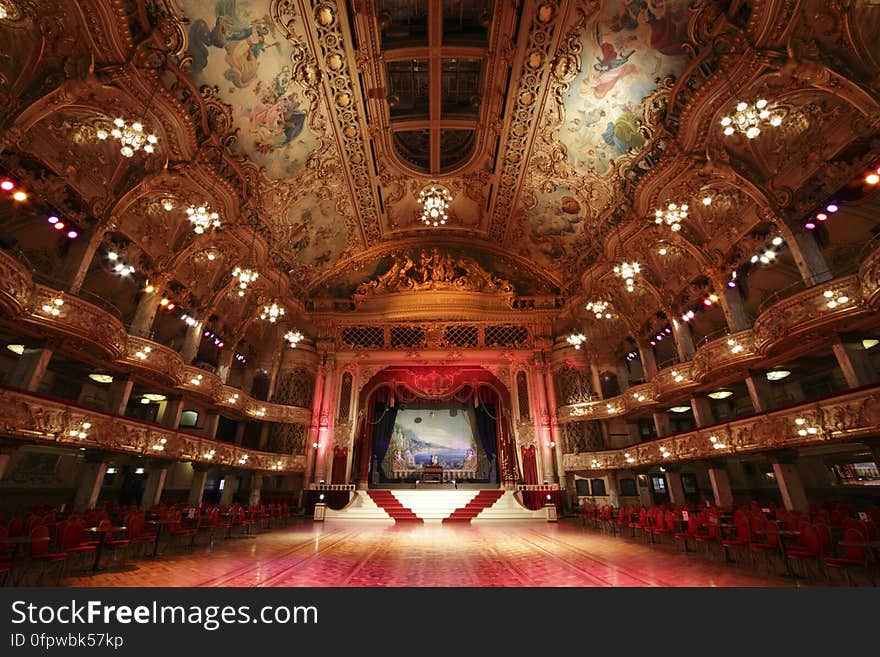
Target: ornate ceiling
558, 126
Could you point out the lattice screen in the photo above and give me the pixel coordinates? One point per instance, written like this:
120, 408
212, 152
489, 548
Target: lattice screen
522, 394
407, 336
295, 389
461, 335
583, 436
287, 439
364, 337
506, 336
572, 386
345, 397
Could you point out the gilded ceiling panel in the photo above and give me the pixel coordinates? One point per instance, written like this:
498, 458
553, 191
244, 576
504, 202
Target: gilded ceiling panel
236, 47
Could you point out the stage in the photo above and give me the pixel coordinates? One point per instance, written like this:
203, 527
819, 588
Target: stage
358, 554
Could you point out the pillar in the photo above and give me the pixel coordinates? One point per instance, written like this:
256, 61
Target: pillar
172, 412
120, 392
30, 368
684, 341
854, 363
760, 392
612, 489
247, 380
702, 410
794, 497
555, 432
191, 342
596, 379
76, 262
809, 259
542, 419
197, 487
622, 378
315, 428
265, 427
661, 423
256, 488
734, 311
91, 477
147, 307
155, 484
228, 490
224, 365
721, 490
649, 362
212, 419
632, 430
325, 428
239, 432
675, 487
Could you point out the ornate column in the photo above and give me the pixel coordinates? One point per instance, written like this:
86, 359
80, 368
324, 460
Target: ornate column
702, 410
649, 362
732, 307
759, 392
229, 489
172, 412
212, 419
674, 486
120, 392
326, 421
612, 489
224, 365
148, 306
256, 489
78, 259
555, 431
661, 423
542, 418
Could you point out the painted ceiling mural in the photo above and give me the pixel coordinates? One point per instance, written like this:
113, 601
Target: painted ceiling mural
235, 46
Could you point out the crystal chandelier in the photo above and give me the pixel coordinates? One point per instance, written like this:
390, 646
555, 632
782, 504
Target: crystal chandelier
272, 313
576, 340
435, 202
627, 271
672, 216
132, 137
245, 277
293, 337
202, 218
600, 309
748, 118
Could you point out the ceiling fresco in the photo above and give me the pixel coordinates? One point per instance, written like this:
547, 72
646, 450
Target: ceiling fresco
235, 46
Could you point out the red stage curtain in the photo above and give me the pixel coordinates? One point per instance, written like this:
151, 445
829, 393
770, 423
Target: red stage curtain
340, 456
529, 465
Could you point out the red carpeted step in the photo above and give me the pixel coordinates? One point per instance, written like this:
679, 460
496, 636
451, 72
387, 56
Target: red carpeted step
483, 500
392, 506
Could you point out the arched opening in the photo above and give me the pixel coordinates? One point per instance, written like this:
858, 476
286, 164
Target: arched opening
456, 419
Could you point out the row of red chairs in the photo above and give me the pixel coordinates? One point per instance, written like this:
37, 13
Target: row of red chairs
756, 534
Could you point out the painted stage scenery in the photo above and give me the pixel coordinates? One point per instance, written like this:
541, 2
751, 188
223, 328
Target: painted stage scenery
433, 435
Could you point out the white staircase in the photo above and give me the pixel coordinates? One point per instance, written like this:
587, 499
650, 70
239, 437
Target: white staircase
434, 505
508, 509
362, 507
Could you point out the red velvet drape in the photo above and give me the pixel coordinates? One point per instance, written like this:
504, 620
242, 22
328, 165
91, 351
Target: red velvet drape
340, 457
529, 465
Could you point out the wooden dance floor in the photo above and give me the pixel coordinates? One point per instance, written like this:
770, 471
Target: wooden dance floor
528, 554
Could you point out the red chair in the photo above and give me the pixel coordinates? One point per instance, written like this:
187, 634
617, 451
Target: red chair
176, 528
767, 548
116, 545
693, 528
809, 549
40, 552
740, 541
855, 557
71, 535
665, 525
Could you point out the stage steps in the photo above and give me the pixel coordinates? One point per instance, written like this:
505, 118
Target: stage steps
483, 500
508, 509
362, 507
393, 506
434, 505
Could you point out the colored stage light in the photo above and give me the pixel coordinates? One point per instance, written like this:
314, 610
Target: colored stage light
7, 185
72, 234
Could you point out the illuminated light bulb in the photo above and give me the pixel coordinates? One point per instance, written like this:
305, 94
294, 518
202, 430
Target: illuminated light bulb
777, 241
809, 225
872, 178
20, 196
821, 216
72, 234
707, 200
7, 185
832, 208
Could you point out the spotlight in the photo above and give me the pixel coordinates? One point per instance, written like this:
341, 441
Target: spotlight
72, 234
20, 196
821, 216
59, 226
832, 208
809, 225
872, 178
7, 185
53, 220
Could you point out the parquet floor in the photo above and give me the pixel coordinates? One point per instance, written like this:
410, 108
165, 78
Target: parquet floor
335, 554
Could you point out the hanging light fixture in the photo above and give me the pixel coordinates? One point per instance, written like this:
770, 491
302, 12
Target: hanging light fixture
293, 338
627, 271
672, 216
272, 313
576, 340
600, 308
132, 136
202, 218
246, 275
435, 202
749, 117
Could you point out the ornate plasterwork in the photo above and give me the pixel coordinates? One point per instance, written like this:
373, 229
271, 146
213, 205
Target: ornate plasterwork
435, 271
